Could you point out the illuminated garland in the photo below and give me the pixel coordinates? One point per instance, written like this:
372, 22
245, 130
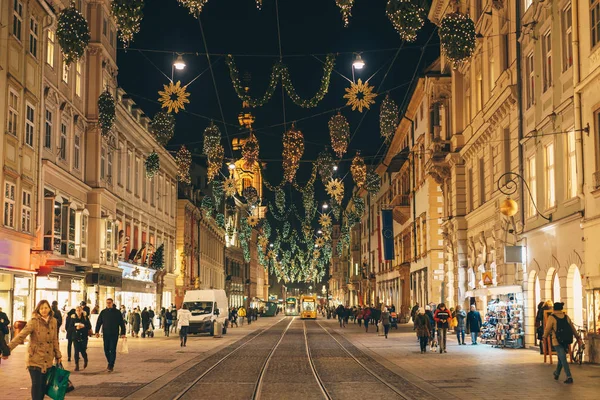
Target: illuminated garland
152, 164
358, 170
215, 162
250, 151
388, 118
212, 141
184, 162
325, 164
218, 192
280, 71
207, 206
220, 220
293, 149
280, 200
106, 112
359, 205
163, 127
457, 37
407, 17
346, 10
128, 14
373, 183
251, 195
339, 131
194, 6
72, 33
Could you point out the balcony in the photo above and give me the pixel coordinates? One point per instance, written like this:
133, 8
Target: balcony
437, 166
401, 208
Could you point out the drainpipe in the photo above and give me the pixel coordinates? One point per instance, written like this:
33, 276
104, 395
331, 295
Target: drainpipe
414, 187
520, 107
577, 98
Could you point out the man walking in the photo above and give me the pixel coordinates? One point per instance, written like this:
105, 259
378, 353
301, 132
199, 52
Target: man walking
442, 316
110, 320
474, 324
151, 314
561, 329
56, 314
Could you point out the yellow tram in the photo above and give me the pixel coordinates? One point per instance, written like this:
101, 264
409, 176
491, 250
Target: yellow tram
308, 307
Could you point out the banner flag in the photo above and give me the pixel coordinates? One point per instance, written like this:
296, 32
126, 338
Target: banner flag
387, 233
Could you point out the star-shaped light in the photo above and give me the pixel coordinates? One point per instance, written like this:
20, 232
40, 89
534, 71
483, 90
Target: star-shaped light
360, 95
174, 97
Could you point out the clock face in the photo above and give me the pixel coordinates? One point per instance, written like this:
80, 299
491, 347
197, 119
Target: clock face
387, 233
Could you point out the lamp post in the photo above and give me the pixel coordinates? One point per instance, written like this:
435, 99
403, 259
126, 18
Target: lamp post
509, 207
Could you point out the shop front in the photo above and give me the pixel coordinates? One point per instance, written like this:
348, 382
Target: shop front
102, 283
138, 288
63, 284
16, 289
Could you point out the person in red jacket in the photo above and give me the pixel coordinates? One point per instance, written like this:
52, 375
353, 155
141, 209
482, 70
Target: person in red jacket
442, 318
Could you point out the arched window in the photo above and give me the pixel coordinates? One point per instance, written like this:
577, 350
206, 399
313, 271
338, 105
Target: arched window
577, 306
555, 288
538, 291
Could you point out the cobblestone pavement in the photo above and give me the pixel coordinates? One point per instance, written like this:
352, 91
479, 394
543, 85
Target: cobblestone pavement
348, 362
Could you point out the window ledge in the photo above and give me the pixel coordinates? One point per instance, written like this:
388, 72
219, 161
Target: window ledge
570, 202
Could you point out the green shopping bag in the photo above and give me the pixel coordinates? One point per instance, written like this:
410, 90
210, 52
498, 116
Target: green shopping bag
58, 382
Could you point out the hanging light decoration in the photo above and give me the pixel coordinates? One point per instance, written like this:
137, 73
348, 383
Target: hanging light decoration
293, 149
184, 162
359, 170
163, 127
339, 131
335, 189
218, 191
194, 6
407, 17
360, 95
388, 117
325, 166
72, 34
152, 164
174, 97
250, 151
128, 14
251, 195
373, 182
280, 200
212, 140
207, 205
457, 37
346, 10
230, 187
106, 112
215, 162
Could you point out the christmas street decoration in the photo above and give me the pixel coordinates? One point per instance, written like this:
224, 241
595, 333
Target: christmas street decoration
252, 220
220, 220
339, 131
359, 205
250, 151
457, 37
373, 183
215, 162
212, 140
106, 112
346, 10
335, 189
360, 95
359, 170
325, 221
319, 242
152, 164
194, 6
263, 241
316, 254
158, 258
72, 33
128, 14
293, 149
184, 162
163, 127
323, 89
217, 192
280, 200
207, 206
174, 97
325, 164
251, 195
407, 17
230, 187
388, 118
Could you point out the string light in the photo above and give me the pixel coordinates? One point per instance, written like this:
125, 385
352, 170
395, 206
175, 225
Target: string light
72, 33
184, 162
250, 151
106, 112
358, 170
339, 131
152, 164
194, 6
163, 127
293, 149
457, 37
388, 117
373, 183
407, 17
128, 15
346, 10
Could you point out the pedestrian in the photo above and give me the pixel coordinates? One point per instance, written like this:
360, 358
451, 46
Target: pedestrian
360, 316
161, 321
347, 314
429, 315
423, 328
442, 317
174, 317
183, 320
413, 311
135, 320
43, 348
4, 330
86, 309
233, 317
57, 315
461, 317
151, 314
168, 321
366, 318
241, 314
145, 322
539, 321
78, 333
96, 309
561, 329
339, 311
375, 316
474, 324
69, 329
111, 321
385, 321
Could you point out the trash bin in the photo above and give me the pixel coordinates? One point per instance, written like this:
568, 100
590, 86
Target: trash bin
217, 329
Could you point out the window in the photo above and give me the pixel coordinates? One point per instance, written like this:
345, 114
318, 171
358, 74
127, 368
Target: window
480, 85
470, 189
136, 181
17, 18
78, 78
505, 49
13, 112
29, 125
129, 170
567, 37
109, 173
102, 162
481, 181
104, 26
595, 21
530, 71
33, 37
467, 108
160, 192
550, 181
152, 190
76, 150
26, 212
144, 188
72, 232
492, 67
112, 37
50, 48
48, 130
84, 225
65, 72
532, 182
547, 67
120, 165
108, 243
9, 204
506, 153
63, 142
571, 166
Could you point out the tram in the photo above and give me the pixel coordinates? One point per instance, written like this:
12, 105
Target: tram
308, 307
291, 306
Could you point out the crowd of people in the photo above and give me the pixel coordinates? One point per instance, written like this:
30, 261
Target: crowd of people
238, 314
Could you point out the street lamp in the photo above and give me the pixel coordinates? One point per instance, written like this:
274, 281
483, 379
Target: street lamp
358, 62
335, 167
179, 64
231, 166
509, 207
325, 206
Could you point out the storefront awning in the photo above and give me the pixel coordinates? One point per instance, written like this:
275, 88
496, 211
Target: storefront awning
494, 290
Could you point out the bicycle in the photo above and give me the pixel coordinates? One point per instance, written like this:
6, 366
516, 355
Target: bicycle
577, 350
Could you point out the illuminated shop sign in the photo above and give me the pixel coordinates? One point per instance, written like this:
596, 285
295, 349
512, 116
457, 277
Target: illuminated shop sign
136, 272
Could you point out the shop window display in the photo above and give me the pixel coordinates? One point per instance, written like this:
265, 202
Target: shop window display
503, 326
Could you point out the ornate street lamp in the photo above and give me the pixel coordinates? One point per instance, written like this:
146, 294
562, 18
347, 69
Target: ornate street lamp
509, 207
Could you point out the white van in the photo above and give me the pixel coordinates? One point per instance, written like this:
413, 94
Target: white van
206, 306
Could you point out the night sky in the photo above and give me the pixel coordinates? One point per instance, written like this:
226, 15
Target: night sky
237, 27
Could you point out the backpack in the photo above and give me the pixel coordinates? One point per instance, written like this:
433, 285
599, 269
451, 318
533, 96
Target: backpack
564, 333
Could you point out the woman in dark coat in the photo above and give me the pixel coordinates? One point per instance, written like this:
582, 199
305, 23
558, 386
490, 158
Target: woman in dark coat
135, 321
539, 321
79, 327
474, 323
423, 328
145, 321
